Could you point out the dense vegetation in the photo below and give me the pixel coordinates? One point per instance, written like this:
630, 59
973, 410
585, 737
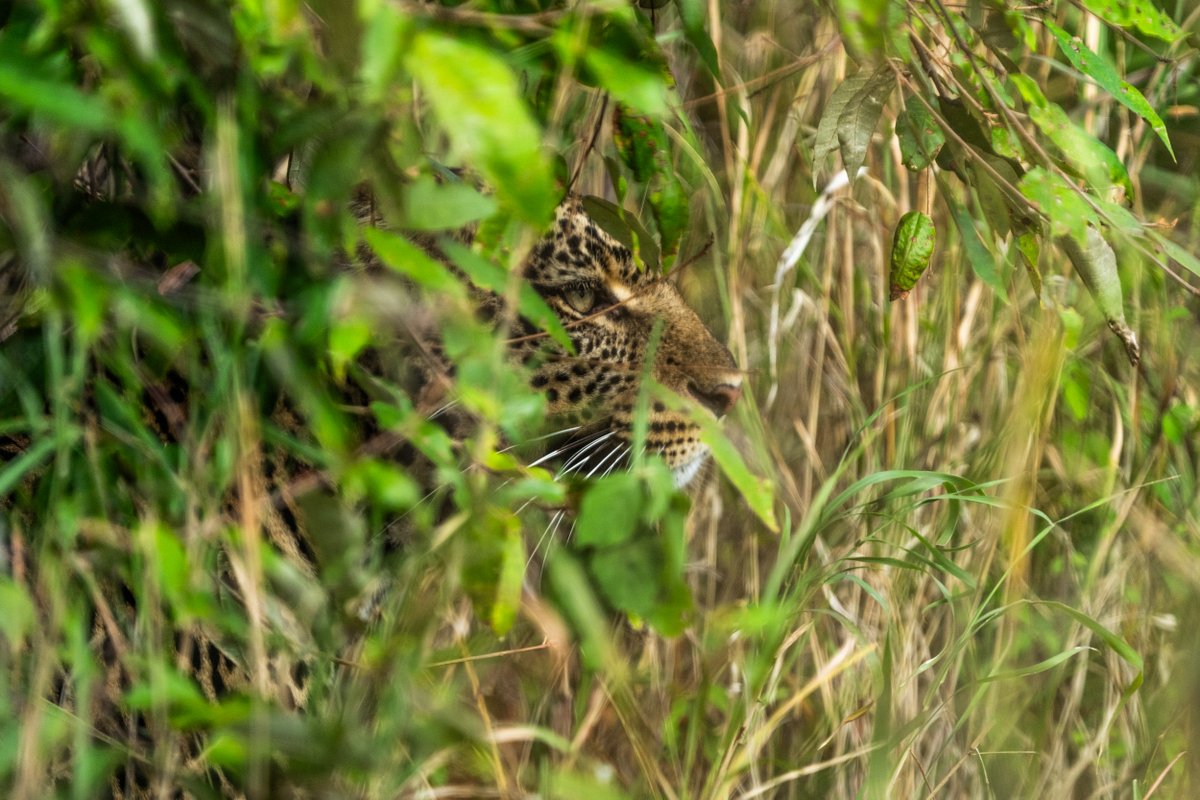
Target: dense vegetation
952, 543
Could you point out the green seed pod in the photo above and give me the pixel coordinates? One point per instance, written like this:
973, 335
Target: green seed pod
912, 247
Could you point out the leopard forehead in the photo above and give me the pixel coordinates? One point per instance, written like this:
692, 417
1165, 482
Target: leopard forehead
577, 249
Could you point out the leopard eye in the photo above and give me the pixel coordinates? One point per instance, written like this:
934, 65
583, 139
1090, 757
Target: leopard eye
581, 297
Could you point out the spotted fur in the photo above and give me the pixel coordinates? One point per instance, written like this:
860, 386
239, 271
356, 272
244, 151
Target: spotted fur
599, 383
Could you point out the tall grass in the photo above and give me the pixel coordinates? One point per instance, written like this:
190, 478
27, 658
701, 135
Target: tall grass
989, 545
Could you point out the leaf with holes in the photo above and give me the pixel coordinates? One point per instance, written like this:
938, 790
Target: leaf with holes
1097, 67
1139, 14
920, 136
1060, 202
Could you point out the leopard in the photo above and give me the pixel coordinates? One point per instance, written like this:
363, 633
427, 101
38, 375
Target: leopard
624, 323
611, 305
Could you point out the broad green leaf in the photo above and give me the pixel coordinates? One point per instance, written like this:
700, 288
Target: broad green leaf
1097, 67
992, 200
385, 35
494, 278
629, 574
669, 204
859, 118
631, 83
912, 247
610, 511
430, 206
54, 101
19, 613
1178, 254
406, 258
508, 586
1087, 155
864, 26
478, 103
1061, 203
641, 143
347, 338
692, 13
920, 136
1140, 14
827, 141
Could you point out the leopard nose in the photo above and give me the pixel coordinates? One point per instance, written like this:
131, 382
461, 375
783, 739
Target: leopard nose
719, 398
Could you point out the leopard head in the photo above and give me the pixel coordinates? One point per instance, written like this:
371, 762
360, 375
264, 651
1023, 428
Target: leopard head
610, 308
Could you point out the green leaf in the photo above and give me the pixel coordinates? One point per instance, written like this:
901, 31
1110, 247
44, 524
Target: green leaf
864, 25
610, 510
406, 258
1096, 67
1096, 263
982, 262
1179, 255
478, 103
693, 13
1034, 669
14, 470
19, 613
1140, 14
912, 247
826, 141
430, 206
1030, 249
669, 204
631, 83
758, 493
494, 278
641, 143
920, 136
58, 102
1086, 155
347, 338
629, 574
858, 120
1060, 202
508, 586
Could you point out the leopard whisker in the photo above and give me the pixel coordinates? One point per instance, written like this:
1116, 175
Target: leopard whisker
443, 409
616, 463
604, 461
581, 457
570, 445
542, 438
551, 527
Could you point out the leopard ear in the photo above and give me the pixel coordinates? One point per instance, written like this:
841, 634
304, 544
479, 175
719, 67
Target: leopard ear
624, 227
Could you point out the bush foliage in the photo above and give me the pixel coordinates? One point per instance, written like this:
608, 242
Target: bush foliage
953, 539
